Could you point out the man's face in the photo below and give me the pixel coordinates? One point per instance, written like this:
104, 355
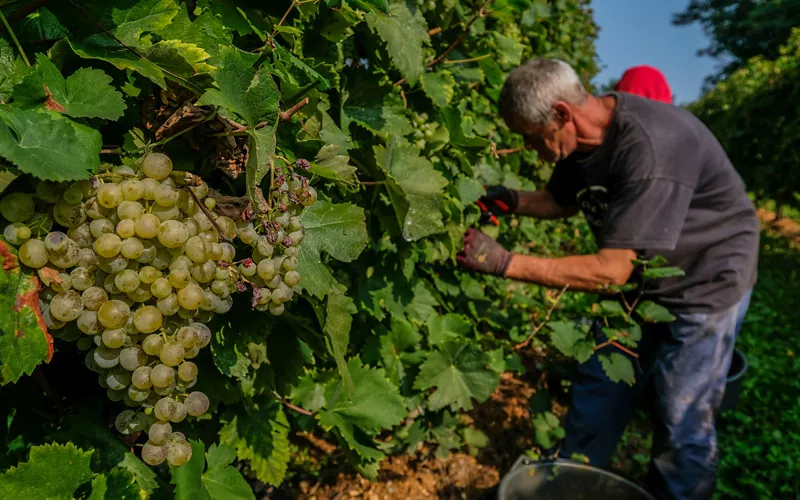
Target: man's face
553, 142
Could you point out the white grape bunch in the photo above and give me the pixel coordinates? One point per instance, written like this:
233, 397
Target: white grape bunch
136, 263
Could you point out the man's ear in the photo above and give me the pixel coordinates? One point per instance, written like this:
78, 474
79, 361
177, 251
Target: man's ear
562, 113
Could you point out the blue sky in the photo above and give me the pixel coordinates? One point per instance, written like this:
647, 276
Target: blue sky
636, 32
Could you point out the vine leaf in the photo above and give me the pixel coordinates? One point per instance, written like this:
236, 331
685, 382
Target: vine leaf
338, 229
220, 481
24, 341
568, 338
415, 188
118, 56
207, 31
617, 367
447, 328
87, 93
460, 373
12, 70
377, 108
118, 484
52, 471
339, 319
260, 435
654, 313
374, 405
181, 58
459, 124
405, 34
47, 145
439, 86
252, 94
331, 165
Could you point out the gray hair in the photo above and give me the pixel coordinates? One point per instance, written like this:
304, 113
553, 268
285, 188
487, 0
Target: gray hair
531, 90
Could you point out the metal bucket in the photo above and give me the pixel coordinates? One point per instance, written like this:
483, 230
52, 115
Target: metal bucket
733, 386
566, 480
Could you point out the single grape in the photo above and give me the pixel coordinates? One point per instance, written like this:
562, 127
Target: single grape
153, 454
66, 306
99, 227
187, 371
69, 215
152, 344
203, 272
161, 288
127, 280
157, 166
168, 305
266, 296
147, 226
73, 196
60, 284
148, 274
201, 191
198, 249
179, 278
33, 253
186, 203
126, 228
191, 353
17, 207
203, 221
187, 336
130, 421
141, 377
114, 339
147, 319
225, 305
192, 226
179, 452
309, 197
118, 380
171, 353
210, 236
108, 245
166, 409
138, 395
165, 391
295, 224
66, 259
276, 309
203, 334
266, 269
114, 396
172, 234
264, 247
166, 213
109, 195
131, 358
217, 252
159, 433
166, 195
114, 314
191, 297
248, 268
105, 357
292, 278
94, 297
81, 235
56, 241
114, 265
196, 403
227, 225
88, 323
296, 237
131, 248
149, 188
210, 203
220, 288
132, 189
180, 413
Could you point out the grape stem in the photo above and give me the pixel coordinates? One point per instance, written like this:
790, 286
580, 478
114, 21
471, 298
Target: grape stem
209, 215
291, 406
287, 115
546, 319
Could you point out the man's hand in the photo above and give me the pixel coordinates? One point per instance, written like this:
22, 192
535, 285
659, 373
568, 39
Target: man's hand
499, 200
483, 254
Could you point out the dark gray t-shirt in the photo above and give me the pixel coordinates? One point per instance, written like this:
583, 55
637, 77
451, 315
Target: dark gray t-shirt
661, 184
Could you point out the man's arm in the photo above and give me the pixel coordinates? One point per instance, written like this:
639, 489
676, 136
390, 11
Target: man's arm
542, 205
590, 273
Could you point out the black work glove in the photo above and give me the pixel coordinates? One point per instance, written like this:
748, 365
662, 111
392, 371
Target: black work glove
499, 200
483, 254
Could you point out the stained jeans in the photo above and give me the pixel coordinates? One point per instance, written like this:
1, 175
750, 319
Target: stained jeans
689, 361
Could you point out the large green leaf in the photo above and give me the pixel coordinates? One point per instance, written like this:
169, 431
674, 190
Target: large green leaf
47, 145
261, 435
260, 161
220, 481
334, 166
111, 52
24, 341
459, 373
249, 92
447, 328
568, 338
379, 109
129, 24
374, 405
404, 33
87, 93
617, 367
338, 229
12, 70
207, 31
439, 86
53, 471
415, 188
654, 313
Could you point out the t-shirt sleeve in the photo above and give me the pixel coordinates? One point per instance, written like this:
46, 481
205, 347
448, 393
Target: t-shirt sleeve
646, 214
562, 186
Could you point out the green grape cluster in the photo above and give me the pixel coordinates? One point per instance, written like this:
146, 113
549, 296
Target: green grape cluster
134, 268
423, 129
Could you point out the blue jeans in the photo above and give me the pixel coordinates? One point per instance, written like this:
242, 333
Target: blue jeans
689, 361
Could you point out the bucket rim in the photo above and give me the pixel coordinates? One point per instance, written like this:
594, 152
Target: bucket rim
741, 371
524, 463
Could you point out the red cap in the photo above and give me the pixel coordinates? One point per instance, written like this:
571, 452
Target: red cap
645, 81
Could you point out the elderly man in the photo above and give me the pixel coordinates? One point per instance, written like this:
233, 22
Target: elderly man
651, 179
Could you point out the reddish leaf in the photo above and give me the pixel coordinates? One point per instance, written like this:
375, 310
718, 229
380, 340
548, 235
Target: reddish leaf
24, 341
